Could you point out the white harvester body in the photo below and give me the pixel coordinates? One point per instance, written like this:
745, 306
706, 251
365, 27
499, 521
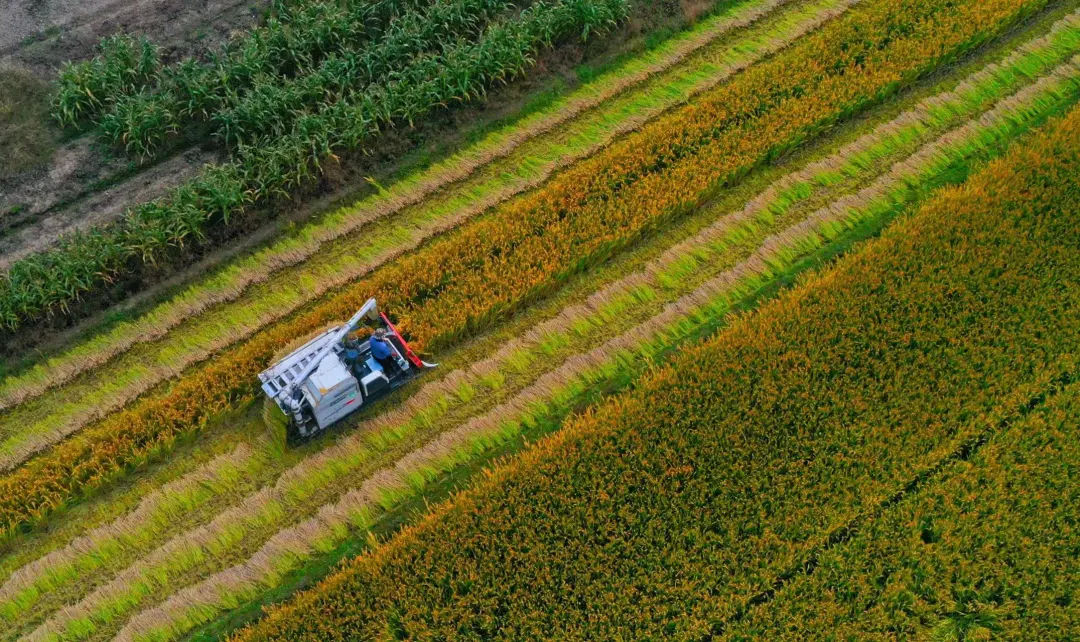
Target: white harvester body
330, 376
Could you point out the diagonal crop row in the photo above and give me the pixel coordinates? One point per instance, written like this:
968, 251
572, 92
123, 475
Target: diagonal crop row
233, 281
718, 471
157, 514
409, 474
52, 280
606, 305
43, 422
533, 244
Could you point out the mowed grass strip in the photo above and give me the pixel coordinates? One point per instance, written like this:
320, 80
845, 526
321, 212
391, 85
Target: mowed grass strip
668, 507
481, 272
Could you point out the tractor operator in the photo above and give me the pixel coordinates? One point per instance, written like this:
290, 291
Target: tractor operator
381, 350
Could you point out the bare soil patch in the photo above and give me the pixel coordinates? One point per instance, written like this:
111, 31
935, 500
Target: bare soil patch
41, 175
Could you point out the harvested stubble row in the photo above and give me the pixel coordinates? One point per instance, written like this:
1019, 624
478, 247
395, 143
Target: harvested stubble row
38, 424
294, 494
54, 279
532, 243
156, 516
669, 507
558, 389
987, 551
231, 282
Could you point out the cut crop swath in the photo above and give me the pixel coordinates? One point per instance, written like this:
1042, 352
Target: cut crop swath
717, 474
689, 158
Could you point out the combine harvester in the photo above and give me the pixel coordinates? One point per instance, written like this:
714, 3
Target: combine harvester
332, 376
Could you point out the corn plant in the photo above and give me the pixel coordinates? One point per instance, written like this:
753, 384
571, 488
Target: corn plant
271, 105
291, 42
123, 64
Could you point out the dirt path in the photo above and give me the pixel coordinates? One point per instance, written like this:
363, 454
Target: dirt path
41, 34
40, 223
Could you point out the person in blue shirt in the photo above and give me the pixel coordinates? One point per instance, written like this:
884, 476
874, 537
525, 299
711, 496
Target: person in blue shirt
381, 350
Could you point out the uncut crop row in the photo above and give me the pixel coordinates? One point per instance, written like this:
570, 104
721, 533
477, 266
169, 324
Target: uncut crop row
51, 281
665, 169
1019, 585
311, 482
751, 451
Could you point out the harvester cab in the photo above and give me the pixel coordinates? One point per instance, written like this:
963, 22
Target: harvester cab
332, 376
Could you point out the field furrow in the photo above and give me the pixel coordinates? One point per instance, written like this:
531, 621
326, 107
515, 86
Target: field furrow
718, 251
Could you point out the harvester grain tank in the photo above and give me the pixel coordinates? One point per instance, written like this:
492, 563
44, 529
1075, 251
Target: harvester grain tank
332, 376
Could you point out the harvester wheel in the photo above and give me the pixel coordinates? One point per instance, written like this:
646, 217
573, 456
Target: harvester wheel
279, 425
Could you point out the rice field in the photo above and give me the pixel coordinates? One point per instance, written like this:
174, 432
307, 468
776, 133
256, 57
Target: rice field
650, 232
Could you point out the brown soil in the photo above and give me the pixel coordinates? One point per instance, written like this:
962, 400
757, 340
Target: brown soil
42, 34
41, 182
64, 199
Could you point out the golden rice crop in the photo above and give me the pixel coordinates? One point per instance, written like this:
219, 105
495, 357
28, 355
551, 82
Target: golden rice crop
662, 512
482, 271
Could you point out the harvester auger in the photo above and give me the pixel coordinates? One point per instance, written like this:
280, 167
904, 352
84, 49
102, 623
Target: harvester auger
332, 376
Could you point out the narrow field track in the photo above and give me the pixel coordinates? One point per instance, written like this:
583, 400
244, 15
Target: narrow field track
672, 267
